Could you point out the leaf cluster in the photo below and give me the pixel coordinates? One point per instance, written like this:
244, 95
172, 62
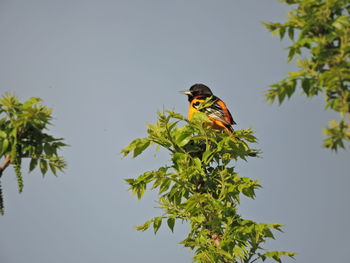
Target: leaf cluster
320, 34
200, 186
22, 135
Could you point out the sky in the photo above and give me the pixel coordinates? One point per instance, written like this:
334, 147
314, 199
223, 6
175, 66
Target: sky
106, 67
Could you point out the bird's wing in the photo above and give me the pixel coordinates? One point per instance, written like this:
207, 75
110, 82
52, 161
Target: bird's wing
218, 111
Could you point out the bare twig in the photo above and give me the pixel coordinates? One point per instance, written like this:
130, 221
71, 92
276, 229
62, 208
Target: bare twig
216, 239
4, 164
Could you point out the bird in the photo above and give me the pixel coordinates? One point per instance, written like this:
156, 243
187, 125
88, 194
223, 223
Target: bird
217, 111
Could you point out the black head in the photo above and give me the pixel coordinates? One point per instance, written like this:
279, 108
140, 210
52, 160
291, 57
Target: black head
197, 90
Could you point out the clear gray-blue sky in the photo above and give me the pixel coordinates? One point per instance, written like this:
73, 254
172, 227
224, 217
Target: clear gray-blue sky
106, 67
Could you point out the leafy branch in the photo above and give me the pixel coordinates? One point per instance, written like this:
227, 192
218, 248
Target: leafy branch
201, 186
320, 34
22, 135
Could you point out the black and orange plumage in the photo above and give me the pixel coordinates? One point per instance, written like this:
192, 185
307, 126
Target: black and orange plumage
217, 110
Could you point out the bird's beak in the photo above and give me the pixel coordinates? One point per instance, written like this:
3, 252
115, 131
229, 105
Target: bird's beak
186, 92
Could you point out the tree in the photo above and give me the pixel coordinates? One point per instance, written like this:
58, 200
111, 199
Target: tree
201, 186
22, 136
323, 46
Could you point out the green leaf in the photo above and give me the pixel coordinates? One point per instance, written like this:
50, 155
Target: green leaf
43, 166
277, 227
183, 135
5, 144
32, 101
130, 181
53, 168
208, 156
19, 178
137, 145
141, 145
143, 227
48, 149
33, 163
290, 87
3, 134
157, 222
282, 32
291, 53
2, 209
180, 161
197, 163
305, 84
238, 252
171, 223
164, 186
281, 95
291, 33
140, 190
199, 118
276, 255
341, 22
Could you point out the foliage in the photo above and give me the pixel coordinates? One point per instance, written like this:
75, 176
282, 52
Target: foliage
22, 135
323, 45
201, 187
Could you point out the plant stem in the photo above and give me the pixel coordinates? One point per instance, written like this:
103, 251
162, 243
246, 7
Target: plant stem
4, 164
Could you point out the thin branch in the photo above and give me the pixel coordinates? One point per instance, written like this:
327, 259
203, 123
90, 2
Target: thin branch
4, 164
216, 238
254, 260
252, 253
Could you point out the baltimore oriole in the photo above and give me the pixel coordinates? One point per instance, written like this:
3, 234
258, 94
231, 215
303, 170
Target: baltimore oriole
216, 111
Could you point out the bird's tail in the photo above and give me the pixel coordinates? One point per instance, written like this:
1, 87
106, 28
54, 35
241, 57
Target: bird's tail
229, 129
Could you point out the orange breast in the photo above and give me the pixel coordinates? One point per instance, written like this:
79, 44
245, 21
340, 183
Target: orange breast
192, 109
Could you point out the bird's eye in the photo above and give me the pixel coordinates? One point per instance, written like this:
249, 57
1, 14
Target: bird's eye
196, 104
